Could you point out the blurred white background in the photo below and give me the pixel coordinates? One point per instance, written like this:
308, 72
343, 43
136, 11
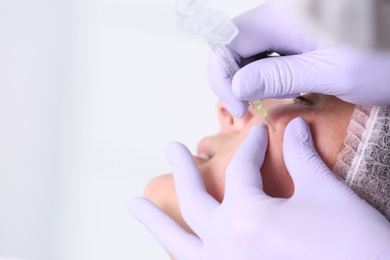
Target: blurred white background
90, 93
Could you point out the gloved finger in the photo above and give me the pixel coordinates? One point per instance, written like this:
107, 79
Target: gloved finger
177, 241
303, 163
260, 56
220, 82
281, 76
195, 202
243, 172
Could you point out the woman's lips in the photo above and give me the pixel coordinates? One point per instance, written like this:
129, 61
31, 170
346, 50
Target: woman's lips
204, 149
199, 160
204, 156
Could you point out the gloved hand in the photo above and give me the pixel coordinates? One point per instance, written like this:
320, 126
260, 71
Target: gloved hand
355, 76
324, 219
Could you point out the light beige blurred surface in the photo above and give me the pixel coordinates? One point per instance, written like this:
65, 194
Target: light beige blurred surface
90, 92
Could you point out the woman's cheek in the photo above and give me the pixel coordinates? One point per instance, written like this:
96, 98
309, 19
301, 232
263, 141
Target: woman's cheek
276, 179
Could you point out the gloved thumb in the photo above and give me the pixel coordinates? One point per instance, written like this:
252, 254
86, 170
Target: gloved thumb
305, 166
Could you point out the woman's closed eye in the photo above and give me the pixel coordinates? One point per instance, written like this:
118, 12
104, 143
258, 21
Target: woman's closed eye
306, 99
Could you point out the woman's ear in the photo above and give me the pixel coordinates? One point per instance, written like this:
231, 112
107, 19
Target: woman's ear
228, 121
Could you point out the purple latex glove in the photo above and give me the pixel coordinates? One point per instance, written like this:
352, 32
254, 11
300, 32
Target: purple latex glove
355, 76
324, 219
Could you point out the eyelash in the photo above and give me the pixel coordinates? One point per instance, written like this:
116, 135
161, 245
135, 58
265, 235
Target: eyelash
304, 100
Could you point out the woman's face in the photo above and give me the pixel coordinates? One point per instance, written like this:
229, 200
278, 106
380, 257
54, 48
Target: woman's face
327, 116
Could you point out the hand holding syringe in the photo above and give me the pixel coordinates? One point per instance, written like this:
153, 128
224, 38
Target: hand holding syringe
218, 30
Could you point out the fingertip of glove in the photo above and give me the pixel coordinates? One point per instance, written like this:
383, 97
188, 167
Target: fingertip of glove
298, 133
171, 145
173, 149
236, 107
259, 129
248, 84
259, 136
241, 111
133, 207
239, 88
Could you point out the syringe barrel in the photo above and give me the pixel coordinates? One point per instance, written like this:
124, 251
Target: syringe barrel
225, 57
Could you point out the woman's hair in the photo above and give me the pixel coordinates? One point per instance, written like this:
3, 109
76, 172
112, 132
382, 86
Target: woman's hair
364, 163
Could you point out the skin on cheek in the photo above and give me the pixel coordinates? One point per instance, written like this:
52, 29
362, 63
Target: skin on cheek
276, 179
329, 129
328, 121
330, 145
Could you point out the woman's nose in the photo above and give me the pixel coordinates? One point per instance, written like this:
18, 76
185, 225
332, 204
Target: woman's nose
228, 121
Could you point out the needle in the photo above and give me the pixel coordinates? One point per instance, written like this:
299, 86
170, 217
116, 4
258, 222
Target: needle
258, 105
269, 122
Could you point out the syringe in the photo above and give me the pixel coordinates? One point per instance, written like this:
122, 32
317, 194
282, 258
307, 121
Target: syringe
218, 30
232, 67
